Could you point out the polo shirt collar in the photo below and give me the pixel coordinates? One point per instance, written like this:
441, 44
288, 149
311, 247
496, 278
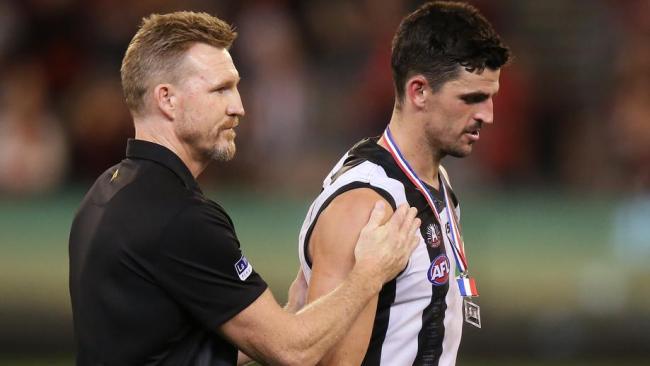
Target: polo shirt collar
140, 149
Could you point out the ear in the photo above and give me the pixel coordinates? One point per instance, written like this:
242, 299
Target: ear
417, 88
166, 100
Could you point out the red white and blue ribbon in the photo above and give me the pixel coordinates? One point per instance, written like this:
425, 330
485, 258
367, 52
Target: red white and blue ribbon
466, 285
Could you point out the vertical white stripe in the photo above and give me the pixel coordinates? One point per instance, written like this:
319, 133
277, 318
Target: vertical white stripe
412, 295
454, 313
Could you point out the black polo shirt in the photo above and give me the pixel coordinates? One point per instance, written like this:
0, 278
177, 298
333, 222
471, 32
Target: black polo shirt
155, 267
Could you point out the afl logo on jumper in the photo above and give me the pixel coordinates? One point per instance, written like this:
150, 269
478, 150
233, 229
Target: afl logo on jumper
433, 235
438, 273
243, 268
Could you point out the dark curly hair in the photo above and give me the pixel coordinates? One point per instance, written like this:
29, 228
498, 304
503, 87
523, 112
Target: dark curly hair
439, 38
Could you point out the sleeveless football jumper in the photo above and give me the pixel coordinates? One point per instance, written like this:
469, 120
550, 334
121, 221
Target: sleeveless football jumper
419, 313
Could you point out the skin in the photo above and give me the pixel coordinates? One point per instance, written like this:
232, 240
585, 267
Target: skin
195, 117
430, 126
427, 126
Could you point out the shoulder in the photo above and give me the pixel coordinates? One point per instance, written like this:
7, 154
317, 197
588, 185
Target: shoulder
350, 211
363, 174
144, 184
200, 223
198, 212
358, 199
199, 208
337, 229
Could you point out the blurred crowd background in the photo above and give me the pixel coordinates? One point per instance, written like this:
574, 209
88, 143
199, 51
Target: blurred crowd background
572, 111
572, 127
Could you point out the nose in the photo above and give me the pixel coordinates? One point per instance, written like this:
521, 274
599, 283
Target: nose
485, 112
235, 106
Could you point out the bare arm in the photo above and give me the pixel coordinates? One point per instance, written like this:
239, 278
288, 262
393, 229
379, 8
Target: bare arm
296, 300
274, 336
332, 252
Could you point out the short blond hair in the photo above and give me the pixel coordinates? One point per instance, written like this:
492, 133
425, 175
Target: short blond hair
159, 45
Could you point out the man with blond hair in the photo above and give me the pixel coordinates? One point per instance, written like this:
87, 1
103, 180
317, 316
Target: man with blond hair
157, 276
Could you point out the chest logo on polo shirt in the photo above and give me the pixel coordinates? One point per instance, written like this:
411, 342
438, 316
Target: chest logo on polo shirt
243, 268
433, 235
438, 273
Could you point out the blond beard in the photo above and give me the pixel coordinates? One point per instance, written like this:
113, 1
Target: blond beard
225, 153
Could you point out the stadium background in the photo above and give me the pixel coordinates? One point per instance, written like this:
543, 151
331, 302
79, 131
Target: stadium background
555, 198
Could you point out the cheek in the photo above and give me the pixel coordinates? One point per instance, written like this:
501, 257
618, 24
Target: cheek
189, 109
460, 117
201, 114
448, 111
453, 121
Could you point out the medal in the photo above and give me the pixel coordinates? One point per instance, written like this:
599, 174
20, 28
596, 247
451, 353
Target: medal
472, 312
466, 284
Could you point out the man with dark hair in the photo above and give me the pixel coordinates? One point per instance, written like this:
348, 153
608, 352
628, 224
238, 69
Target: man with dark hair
446, 60
157, 276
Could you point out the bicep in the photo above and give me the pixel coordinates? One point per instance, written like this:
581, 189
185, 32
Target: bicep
337, 229
331, 248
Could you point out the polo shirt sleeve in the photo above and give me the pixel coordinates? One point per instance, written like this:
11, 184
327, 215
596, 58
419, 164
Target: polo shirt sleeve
201, 265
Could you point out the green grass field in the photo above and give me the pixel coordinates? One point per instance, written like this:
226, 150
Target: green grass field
541, 260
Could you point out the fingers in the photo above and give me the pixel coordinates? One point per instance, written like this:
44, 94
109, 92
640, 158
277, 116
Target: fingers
415, 226
398, 217
376, 215
410, 230
415, 229
408, 220
405, 230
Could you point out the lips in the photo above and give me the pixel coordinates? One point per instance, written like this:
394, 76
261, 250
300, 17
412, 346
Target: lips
473, 134
230, 126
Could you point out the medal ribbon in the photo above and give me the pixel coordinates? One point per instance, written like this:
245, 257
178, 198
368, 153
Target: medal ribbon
467, 285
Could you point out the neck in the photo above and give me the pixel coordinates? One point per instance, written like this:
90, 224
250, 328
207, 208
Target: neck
412, 142
162, 133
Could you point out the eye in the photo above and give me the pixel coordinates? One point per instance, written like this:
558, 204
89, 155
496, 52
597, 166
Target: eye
225, 86
474, 98
220, 89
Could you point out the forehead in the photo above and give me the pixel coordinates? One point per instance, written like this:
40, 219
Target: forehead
209, 63
486, 81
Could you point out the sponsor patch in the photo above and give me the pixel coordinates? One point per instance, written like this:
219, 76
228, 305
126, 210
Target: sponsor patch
438, 273
243, 268
433, 235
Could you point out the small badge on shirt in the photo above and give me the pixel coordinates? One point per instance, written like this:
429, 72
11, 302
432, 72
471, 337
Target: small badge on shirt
433, 235
438, 273
243, 268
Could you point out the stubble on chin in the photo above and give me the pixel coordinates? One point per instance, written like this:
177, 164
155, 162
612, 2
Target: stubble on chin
224, 154
458, 151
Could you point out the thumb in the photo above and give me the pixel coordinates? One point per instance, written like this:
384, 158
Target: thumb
376, 215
